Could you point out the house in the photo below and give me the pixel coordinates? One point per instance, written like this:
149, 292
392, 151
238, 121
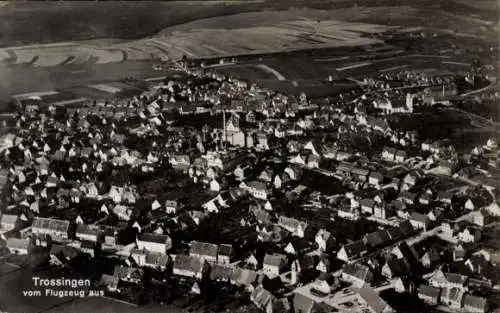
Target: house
388, 154
400, 156
257, 189
359, 174
375, 304
351, 251
375, 178
469, 205
220, 272
61, 254
419, 221
9, 222
123, 212
445, 197
110, 282
469, 235
394, 268
154, 242
266, 175
481, 218
204, 251
377, 239
294, 172
274, 264
172, 206
243, 277
429, 294
225, 254
367, 206
18, 246
189, 266
297, 246
348, 212
294, 226
263, 299
325, 240
430, 258
313, 161
455, 280
128, 274
88, 247
157, 261
252, 262
475, 304
357, 274
110, 235
302, 303
452, 297
57, 229
87, 233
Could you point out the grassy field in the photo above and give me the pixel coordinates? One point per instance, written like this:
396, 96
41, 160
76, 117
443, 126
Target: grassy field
65, 21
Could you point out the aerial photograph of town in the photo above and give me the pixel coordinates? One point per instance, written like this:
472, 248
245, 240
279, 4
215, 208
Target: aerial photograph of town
246, 156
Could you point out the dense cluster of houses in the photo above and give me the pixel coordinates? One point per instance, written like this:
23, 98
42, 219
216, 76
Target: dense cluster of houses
89, 179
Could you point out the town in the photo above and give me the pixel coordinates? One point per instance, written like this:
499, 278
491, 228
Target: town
208, 192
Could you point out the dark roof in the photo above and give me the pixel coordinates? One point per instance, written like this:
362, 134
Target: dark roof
377, 238
189, 263
67, 252
243, 276
357, 270
124, 272
203, 248
372, 299
149, 237
87, 230
157, 259
275, 259
220, 272
475, 302
429, 291
301, 303
406, 228
225, 250
456, 278
355, 248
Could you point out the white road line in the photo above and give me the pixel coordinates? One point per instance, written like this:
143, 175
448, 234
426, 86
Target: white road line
455, 63
155, 78
332, 59
354, 66
394, 68
272, 71
215, 49
37, 94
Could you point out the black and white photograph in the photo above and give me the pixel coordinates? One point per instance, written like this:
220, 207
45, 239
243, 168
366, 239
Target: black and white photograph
250, 156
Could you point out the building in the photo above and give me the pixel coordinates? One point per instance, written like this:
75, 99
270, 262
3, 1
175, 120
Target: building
87, 233
352, 251
294, 226
357, 274
225, 254
204, 251
429, 294
18, 246
189, 266
128, 274
56, 229
257, 189
474, 304
373, 302
9, 222
154, 242
274, 264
